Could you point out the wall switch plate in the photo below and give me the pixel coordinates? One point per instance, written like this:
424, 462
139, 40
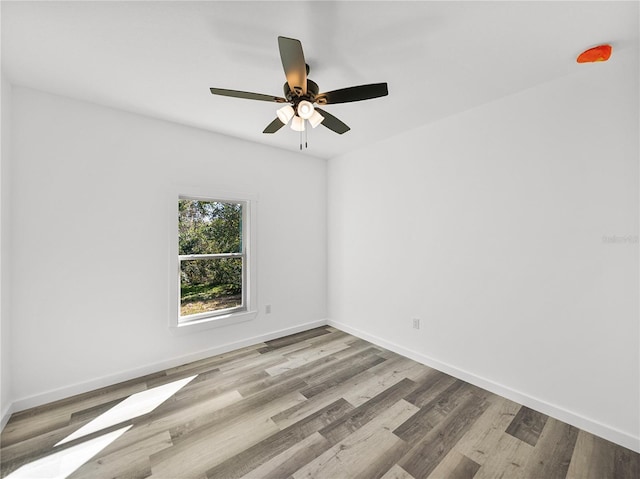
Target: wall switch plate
267, 309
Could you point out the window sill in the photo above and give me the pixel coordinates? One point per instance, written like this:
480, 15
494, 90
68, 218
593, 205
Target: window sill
214, 322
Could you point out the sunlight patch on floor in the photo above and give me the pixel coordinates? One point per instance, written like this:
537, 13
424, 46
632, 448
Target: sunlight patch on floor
63, 463
135, 405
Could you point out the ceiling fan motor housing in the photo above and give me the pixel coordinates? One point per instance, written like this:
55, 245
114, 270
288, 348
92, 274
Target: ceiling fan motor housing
295, 98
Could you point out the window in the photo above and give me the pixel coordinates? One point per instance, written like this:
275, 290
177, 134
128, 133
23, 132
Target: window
214, 266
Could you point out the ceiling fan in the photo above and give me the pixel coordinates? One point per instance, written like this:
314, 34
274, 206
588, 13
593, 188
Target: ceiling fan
301, 94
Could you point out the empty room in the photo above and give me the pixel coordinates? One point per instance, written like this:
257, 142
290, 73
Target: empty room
317, 239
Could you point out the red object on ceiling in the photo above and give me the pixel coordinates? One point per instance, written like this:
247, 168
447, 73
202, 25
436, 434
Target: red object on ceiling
601, 53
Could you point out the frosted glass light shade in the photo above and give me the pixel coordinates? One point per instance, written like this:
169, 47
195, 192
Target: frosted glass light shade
316, 119
305, 109
285, 114
297, 124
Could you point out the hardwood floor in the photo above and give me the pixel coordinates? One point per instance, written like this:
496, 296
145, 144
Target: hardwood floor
319, 404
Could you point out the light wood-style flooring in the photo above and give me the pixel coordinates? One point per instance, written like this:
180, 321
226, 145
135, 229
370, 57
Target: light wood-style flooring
318, 404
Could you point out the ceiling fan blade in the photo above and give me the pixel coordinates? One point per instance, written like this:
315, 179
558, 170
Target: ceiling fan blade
274, 126
295, 68
354, 93
247, 95
333, 123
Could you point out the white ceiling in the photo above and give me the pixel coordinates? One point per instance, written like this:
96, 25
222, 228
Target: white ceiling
439, 58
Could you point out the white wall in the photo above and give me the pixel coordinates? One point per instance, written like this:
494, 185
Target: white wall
92, 194
5, 257
489, 227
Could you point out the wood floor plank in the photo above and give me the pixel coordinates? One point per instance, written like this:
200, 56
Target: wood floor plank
384, 376
315, 343
167, 419
289, 461
626, 464
357, 383
200, 391
206, 447
246, 406
455, 466
424, 457
21, 426
433, 412
593, 458
204, 370
357, 453
507, 460
215, 361
278, 355
340, 372
32, 449
364, 413
129, 462
251, 363
380, 458
527, 425
297, 359
211, 384
552, 455
312, 373
252, 457
90, 413
357, 346
433, 384
396, 472
482, 439
465, 469
295, 338
320, 403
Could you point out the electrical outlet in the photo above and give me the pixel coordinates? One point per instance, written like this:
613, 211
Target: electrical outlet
416, 323
267, 309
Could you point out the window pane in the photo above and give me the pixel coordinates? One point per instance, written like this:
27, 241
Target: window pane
209, 227
208, 285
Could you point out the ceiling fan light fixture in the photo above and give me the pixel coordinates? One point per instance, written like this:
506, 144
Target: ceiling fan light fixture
297, 124
302, 94
285, 114
316, 119
305, 109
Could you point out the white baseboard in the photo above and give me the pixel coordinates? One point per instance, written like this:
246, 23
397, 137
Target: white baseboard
79, 388
594, 427
6, 414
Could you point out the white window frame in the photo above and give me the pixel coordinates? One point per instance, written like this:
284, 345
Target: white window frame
248, 309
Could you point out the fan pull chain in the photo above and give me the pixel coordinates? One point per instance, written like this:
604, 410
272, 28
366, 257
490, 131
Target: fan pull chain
306, 145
